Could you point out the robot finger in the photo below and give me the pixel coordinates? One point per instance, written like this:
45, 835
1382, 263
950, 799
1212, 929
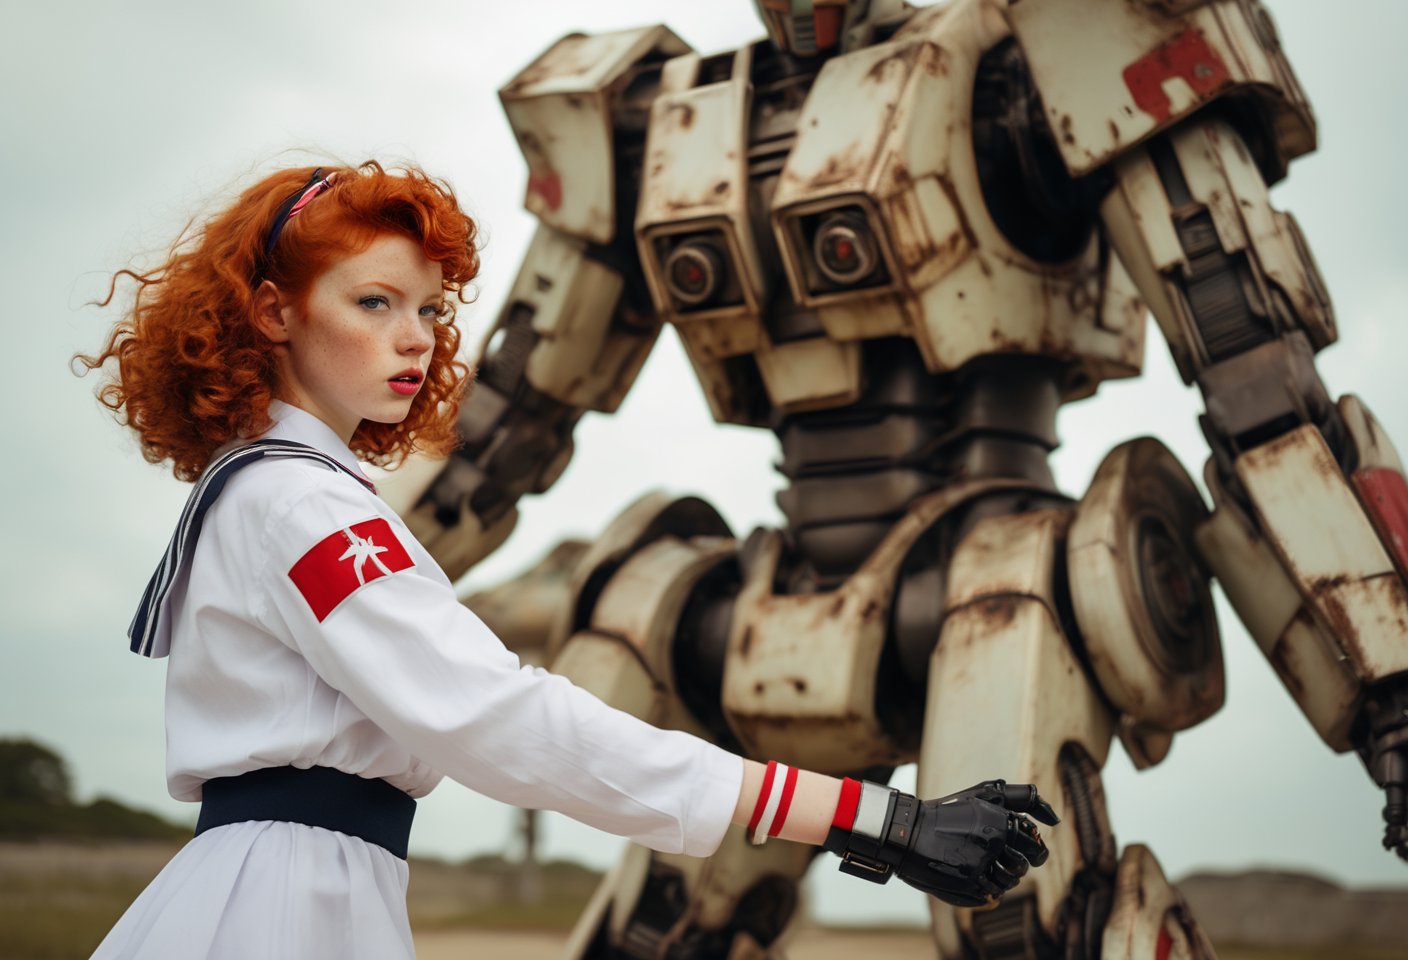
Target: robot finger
1008, 868
991, 885
1000, 877
1023, 798
1023, 836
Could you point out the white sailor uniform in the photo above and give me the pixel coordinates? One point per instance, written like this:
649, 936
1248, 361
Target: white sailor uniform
308, 628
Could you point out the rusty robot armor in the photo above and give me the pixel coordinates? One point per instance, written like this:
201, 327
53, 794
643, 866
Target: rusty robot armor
807, 28
901, 250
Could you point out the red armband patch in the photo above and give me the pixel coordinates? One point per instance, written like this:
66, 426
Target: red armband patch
344, 562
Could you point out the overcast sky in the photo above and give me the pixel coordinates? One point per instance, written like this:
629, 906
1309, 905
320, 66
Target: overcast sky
120, 121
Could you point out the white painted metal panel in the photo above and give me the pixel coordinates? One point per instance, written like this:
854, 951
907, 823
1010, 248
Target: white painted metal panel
1112, 72
560, 111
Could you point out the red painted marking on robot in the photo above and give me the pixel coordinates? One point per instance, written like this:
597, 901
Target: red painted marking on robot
1384, 494
1165, 944
548, 186
1188, 57
826, 21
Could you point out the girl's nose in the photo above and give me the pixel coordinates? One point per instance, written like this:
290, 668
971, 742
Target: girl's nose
417, 336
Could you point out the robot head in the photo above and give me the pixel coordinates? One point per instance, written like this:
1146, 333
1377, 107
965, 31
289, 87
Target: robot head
808, 28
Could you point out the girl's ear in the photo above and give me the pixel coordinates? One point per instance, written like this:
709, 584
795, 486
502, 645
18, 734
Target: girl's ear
269, 313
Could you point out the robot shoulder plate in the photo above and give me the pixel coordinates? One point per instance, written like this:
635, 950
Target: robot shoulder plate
565, 109
1112, 73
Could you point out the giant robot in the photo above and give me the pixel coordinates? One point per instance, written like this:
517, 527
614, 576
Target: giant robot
900, 238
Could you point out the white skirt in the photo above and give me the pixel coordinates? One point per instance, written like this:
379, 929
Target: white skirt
271, 890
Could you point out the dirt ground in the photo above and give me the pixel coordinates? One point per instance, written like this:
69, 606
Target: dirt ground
809, 945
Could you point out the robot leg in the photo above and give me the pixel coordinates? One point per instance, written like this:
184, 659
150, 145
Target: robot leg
632, 592
1076, 605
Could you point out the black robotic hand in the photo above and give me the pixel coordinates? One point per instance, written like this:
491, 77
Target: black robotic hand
968, 848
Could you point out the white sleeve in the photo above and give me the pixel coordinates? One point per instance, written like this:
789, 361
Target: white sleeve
431, 675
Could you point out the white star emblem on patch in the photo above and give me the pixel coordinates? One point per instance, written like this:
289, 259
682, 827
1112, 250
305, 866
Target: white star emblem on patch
361, 552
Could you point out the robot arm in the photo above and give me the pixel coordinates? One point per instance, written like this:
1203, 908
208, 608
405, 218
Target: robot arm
1309, 534
577, 324
568, 340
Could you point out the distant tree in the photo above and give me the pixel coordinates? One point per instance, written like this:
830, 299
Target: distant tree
33, 774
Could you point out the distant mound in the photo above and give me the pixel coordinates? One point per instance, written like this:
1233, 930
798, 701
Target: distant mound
1280, 909
36, 803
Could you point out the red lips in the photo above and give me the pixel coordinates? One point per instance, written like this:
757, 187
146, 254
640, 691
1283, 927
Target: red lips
407, 382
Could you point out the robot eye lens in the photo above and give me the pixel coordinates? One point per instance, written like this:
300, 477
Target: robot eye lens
693, 272
845, 249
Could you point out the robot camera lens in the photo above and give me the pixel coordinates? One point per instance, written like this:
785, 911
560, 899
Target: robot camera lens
845, 249
693, 271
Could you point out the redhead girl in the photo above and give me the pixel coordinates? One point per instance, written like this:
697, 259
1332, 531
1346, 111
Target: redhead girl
322, 675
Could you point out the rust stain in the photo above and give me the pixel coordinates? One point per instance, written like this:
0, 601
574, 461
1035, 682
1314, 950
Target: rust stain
1274, 453
936, 64
746, 643
565, 59
799, 684
1067, 136
763, 720
1280, 662
915, 246
532, 147
871, 611
900, 58
1080, 297
1337, 618
899, 176
759, 687
999, 612
721, 188
847, 165
964, 226
683, 113
1398, 599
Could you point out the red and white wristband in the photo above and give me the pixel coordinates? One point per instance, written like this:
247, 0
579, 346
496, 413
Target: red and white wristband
774, 800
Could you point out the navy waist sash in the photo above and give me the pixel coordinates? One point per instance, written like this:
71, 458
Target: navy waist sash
372, 810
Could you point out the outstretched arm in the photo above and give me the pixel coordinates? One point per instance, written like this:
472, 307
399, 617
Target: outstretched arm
1309, 537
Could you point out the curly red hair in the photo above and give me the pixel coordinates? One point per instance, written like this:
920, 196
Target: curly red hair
194, 373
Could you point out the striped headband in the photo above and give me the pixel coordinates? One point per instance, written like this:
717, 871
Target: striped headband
316, 184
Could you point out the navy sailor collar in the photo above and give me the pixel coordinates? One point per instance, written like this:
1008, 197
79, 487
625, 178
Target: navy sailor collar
297, 434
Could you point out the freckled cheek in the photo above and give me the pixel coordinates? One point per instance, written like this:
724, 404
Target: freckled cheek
345, 350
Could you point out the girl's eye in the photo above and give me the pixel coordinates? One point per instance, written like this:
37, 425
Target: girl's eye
432, 311
373, 302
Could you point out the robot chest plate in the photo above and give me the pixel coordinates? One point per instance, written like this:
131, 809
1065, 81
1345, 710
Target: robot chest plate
862, 212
